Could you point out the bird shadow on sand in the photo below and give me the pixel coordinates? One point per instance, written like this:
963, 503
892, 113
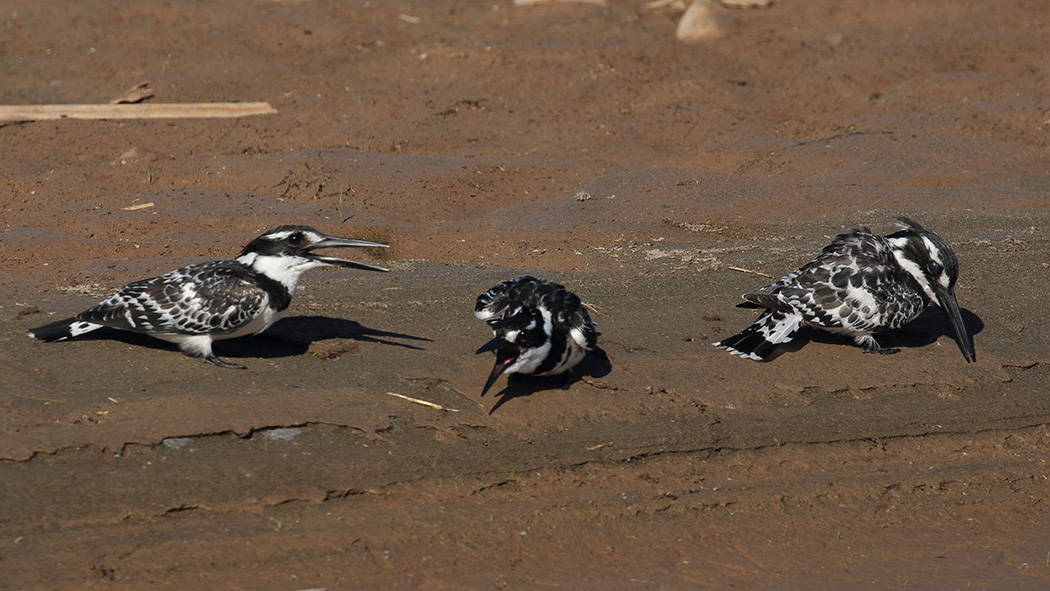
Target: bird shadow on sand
925, 330
595, 364
289, 337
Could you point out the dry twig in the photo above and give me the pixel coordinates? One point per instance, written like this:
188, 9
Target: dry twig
423, 402
743, 270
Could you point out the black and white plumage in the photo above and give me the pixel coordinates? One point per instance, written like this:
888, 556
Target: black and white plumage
860, 284
539, 328
204, 302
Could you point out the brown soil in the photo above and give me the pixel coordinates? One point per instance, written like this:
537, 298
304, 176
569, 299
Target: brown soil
576, 142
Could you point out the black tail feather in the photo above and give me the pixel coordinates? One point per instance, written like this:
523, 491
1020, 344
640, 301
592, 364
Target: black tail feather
61, 330
761, 340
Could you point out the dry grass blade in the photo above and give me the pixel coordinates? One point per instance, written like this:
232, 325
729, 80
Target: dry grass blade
423, 402
592, 308
672, 5
743, 270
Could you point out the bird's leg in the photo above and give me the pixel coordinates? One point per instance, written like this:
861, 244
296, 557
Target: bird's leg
200, 347
870, 345
567, 378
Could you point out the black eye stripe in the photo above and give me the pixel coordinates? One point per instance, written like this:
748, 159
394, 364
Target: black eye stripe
934, 267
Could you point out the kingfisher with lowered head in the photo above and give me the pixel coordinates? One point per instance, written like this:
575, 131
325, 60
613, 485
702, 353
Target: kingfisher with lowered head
204, 302
860, 284
539, 328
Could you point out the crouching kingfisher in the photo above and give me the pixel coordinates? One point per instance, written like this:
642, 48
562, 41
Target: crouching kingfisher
539, 328
859, 284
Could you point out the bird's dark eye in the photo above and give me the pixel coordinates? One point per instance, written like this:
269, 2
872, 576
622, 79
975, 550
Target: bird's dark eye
934, 267
295, 239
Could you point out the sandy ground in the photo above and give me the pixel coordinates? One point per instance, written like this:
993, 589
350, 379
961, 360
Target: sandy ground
571, 141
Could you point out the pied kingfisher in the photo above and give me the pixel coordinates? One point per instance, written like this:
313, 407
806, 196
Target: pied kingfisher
859, 284
204, 302
539, 328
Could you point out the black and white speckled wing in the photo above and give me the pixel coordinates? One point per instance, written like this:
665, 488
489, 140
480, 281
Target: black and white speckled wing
215, 298
566, 309
508, 297
569, 313
854, 284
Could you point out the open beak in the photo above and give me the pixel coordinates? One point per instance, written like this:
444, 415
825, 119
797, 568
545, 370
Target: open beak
333, 242
506, 353
946, 299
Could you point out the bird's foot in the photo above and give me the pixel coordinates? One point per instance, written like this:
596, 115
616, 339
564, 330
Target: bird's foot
567, 379
870, 345
212, 359
889, 351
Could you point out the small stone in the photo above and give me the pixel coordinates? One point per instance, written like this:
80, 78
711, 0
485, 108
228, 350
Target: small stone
699, 23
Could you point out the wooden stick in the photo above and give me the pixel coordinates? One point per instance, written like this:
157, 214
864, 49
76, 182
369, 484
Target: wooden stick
142, 111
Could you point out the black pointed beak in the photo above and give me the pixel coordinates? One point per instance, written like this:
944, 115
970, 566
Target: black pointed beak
946, 299
333, 242
494, 344
506, 353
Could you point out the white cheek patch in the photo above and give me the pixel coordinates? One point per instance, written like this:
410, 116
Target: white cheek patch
285, 270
